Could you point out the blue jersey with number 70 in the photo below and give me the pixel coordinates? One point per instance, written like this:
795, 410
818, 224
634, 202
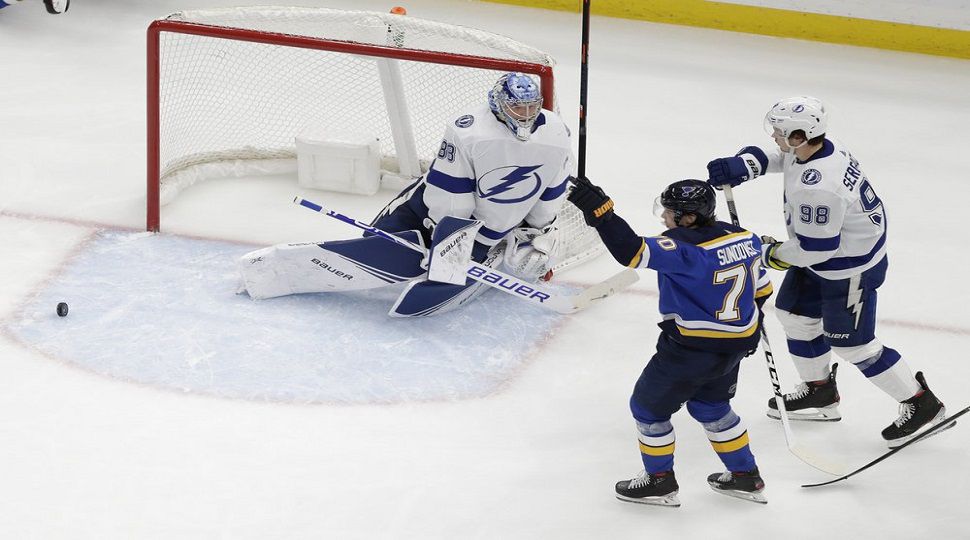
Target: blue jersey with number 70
710, 278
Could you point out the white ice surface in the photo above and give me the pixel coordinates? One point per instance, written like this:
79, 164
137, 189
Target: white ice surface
89, 455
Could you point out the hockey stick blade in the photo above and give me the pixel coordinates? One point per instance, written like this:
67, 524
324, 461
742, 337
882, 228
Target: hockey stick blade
944, 424
816, 461
608, 287
533, 292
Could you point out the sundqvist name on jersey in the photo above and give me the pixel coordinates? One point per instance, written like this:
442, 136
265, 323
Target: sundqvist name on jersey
742, 251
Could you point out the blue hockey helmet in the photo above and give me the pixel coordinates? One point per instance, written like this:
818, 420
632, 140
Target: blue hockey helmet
689, 197
515, 99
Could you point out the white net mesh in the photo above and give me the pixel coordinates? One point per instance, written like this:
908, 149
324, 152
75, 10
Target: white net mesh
237, 85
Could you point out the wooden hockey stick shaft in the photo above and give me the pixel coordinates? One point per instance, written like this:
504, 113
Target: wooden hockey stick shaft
806, 456
531, 292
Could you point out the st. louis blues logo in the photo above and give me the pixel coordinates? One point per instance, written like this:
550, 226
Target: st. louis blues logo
509, 185
811, 177
687, 192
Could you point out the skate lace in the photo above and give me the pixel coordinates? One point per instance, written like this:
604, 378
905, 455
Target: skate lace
800, 391
906, 411
642, 479
726, 476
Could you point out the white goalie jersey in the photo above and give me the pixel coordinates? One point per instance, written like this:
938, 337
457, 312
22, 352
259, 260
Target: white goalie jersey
836, 222
482, 171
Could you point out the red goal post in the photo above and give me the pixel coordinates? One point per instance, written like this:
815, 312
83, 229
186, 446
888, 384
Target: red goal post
230, 88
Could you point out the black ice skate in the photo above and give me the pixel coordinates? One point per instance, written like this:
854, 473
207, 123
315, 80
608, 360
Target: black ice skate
916, 414
56, 7
659, 489
743, 485
817, 400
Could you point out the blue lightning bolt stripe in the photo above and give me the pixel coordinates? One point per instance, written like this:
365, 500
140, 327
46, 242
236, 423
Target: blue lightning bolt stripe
509, 181
819, 244
451, 184
553, 193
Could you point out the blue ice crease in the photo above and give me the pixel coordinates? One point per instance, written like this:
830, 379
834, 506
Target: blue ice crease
162, 310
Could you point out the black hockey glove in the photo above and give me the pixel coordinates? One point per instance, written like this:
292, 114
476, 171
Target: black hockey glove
595, 204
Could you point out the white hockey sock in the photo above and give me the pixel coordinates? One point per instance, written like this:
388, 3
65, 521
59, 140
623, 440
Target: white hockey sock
897, 381
813, 369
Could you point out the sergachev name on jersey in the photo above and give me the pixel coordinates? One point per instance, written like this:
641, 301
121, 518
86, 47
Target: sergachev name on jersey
736, 252
852, 173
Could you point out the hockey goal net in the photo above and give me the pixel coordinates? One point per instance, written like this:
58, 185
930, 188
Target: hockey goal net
229, 90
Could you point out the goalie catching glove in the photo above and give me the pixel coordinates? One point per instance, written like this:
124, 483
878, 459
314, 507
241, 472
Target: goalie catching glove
769, 246
532, 252
595, 204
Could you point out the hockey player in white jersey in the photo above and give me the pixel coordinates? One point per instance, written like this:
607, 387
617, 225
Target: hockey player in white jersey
835, 258
501, 173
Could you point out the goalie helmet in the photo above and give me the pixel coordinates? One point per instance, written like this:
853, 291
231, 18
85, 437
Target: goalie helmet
515, 99
689, 197
797, 113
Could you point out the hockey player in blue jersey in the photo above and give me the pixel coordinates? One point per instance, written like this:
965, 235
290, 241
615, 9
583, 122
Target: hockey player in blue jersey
501, 172
834, 261
711, 287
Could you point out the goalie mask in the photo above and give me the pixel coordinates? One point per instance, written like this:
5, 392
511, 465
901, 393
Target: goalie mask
515, 99
688, 197
797, 113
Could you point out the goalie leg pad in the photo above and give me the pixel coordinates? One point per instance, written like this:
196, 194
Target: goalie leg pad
423, 298
344, 265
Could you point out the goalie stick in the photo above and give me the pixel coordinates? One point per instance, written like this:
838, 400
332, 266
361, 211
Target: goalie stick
806, 455
532, 292
947, 423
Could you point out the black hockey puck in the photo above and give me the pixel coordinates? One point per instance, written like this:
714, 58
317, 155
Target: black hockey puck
62, 309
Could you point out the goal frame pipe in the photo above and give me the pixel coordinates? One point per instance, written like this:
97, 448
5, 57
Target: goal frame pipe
153, 218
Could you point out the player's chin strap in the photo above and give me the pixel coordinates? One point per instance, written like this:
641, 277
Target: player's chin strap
531, 292
802, 453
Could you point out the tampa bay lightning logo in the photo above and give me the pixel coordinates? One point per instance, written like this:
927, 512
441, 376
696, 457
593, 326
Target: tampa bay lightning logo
509, 185
465, 121
798, 108
811, 177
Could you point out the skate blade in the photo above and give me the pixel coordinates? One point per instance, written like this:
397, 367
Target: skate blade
824, 414
667, 500
757, 497
938, 419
